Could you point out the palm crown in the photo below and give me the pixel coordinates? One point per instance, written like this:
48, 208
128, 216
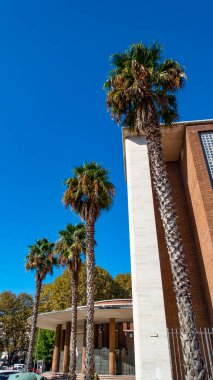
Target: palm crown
89, 190
71, 243
40, 258
140, 78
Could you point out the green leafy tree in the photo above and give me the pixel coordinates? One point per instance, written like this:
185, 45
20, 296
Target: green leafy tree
57, 295
140, 94
46, 298
41, 260
14, 329
88, 193
43, 349
122, 286
69, 249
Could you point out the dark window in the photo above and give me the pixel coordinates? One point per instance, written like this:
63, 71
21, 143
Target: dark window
207, 145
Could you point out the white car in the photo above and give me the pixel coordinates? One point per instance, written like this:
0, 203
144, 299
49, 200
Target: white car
19, 367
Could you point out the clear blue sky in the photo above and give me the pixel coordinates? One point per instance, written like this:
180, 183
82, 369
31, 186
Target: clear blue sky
54, 59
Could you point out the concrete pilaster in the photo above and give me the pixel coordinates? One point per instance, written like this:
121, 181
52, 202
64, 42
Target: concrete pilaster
152, 359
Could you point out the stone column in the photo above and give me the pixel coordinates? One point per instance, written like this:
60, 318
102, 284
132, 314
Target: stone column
56, 353
66, 358
112, 346
152, 360
84, 349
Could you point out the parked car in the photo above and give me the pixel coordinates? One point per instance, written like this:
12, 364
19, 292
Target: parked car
25, 376
4, 374
19, 367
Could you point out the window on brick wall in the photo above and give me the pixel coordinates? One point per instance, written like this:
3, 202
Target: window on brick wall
207, 145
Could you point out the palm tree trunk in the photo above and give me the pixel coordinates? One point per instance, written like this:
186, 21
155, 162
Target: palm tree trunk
34, 322
194, 365
74, 287
89, 362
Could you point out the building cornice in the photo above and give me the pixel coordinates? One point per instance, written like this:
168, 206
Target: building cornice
172, 138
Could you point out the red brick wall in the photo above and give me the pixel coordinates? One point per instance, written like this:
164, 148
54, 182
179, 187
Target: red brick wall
191, 254
199, 192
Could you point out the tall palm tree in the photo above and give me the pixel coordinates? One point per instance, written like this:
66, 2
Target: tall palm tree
88, 193
69, 248
42, 260
140, 94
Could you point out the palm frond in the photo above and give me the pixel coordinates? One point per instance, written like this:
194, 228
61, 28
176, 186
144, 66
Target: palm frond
41, 258
89, 189
139, 77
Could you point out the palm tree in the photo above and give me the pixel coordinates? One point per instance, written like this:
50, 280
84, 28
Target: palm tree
42, 260
140, 94
88, 193
69, 247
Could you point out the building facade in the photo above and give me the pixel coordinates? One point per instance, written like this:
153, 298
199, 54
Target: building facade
188, 151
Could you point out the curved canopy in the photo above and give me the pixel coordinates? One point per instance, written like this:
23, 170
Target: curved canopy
119, 309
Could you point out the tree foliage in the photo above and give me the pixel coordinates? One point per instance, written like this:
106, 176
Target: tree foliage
69, 249
89, 190
57, 295
41, 260
141, 93
43, 349
88, 193
14, 329
141, 78
122, 286
16, 309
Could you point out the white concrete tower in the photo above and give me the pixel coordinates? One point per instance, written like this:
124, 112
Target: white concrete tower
152, 357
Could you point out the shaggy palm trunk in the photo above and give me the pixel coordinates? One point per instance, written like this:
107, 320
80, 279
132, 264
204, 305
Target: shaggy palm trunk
74, 287
34, 322
194, 365
90, 262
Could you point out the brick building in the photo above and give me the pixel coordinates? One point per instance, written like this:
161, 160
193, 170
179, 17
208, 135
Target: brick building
188, 151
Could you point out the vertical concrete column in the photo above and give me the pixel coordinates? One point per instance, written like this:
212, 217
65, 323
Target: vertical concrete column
66, 358
152, 360
84, 349
56, 353
112, 346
